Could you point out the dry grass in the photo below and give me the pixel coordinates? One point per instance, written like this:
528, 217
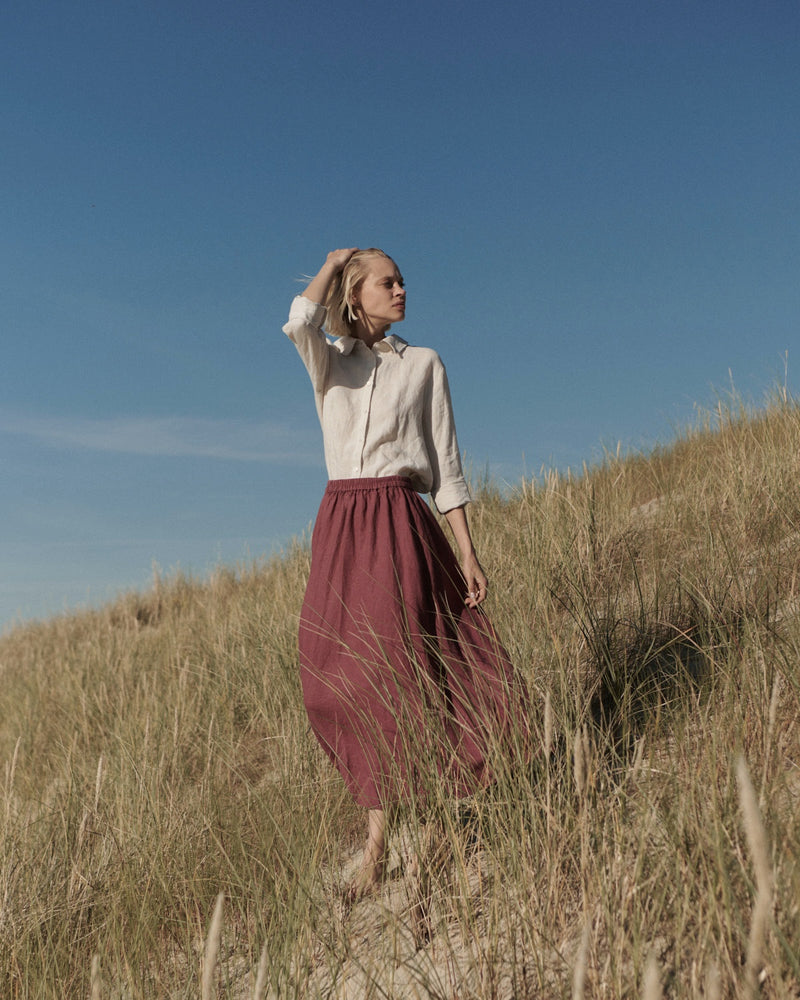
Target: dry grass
170, 829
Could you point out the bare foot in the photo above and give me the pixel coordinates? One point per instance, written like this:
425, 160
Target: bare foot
368, 878
370, 874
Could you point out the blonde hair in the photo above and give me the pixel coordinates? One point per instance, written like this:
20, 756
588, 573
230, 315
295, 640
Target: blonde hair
338, 301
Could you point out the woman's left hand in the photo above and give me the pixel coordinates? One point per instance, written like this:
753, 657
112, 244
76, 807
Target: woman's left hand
477, 584
470, 567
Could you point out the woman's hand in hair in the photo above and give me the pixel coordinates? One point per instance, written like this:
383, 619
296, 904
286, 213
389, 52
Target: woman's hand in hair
338, 258
333, 266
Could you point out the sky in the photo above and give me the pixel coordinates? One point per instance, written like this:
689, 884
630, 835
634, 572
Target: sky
595, 206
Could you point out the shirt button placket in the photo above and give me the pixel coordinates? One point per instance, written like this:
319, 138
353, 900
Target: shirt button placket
369, 388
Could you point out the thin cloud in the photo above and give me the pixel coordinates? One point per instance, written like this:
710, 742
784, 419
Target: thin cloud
172, 437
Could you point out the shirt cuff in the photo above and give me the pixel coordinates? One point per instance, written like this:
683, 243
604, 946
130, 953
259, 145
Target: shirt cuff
451, 495
303, 310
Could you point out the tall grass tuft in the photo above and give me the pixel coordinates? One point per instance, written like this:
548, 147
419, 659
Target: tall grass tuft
157, 759
757, 844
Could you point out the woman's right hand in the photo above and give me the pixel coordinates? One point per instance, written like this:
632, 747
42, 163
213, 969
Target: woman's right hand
338, 258
333, 266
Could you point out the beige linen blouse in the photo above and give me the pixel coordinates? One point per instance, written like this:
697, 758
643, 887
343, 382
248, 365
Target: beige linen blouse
384, 411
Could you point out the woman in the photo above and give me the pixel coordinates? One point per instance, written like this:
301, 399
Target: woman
402, 676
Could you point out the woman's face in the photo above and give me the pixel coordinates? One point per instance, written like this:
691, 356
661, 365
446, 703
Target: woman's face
380, 299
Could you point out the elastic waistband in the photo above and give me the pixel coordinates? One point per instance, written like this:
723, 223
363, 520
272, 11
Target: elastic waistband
364, 485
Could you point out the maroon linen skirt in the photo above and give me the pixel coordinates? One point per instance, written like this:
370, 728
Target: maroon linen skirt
401, 681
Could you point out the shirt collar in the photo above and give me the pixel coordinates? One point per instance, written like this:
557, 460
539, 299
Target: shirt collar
344, 345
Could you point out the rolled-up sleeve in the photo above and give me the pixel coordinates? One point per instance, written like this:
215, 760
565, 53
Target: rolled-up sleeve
304, 329
449, 488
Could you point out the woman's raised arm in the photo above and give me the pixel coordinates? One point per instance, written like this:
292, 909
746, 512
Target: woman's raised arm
319, 285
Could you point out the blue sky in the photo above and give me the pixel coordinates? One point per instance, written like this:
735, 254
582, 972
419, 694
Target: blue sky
596, 207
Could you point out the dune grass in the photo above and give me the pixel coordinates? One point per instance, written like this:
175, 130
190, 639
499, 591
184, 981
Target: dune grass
170, 828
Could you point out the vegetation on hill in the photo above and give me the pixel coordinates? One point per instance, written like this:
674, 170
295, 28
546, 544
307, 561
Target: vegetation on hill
156, 755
